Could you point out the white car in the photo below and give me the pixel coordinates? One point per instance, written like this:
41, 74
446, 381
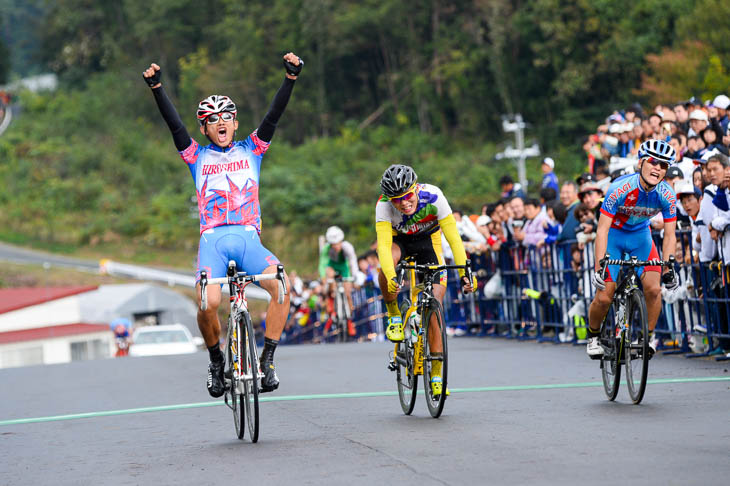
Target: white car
160, 340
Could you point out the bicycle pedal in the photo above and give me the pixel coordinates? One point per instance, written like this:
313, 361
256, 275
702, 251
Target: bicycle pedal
392, 366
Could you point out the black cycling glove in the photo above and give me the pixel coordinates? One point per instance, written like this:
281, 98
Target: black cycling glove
670, 280
293, 70
154, 80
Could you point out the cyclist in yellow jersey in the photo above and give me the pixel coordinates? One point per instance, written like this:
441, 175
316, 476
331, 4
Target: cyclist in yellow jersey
409, 218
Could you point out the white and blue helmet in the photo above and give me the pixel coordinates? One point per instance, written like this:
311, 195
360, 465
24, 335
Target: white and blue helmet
658, 150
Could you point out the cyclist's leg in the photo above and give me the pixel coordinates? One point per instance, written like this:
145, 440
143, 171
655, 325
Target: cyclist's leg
394, 330
431, 253
434, 333
328, 285
258, 259
215, 264
329, 277
650, 280
348, 294
599, 307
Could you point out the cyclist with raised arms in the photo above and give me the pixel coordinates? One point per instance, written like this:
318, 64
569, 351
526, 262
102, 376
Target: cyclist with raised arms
338, 257
623, 229
409, 219
226, 177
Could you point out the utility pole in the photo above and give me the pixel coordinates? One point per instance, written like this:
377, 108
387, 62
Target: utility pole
520, 153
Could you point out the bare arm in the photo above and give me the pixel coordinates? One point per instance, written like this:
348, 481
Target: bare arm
604, 224
669, 246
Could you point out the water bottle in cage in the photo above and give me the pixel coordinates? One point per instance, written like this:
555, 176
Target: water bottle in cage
415, 326
620, 318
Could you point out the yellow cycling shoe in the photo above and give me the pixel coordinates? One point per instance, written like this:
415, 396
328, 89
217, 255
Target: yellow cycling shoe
394, 331
437, 386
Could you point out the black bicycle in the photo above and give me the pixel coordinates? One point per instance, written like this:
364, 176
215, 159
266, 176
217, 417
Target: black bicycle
625, 331
242, 373
413, 356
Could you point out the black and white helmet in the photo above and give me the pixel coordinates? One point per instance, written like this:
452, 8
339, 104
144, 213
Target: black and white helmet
397, 179
214, 104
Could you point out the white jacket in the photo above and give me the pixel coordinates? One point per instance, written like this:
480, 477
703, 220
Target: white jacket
721, 222
708, 247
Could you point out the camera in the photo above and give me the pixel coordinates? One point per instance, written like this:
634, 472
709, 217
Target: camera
518, 223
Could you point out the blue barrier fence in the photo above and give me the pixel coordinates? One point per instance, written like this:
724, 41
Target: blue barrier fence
544, 293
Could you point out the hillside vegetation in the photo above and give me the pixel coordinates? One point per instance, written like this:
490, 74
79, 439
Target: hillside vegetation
425, 83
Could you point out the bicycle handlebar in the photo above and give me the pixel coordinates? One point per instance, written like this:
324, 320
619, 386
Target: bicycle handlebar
242, 278
633, 262
429, 269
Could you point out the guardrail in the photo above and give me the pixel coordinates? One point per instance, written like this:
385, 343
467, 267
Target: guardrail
543, 294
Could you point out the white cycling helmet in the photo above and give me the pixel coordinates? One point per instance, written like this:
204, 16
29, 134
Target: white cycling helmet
334, 235
214, 104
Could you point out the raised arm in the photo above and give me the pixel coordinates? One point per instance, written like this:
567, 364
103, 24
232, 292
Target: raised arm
293, 65
180, 135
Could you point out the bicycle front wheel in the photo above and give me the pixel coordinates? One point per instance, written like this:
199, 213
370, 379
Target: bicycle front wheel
407, 382
434, 312
636, 346
234, 369
251, 380
611, 360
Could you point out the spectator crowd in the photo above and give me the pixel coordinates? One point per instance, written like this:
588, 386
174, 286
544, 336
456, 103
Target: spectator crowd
551, 229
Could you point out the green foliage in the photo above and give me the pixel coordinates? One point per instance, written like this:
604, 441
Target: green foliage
422, 82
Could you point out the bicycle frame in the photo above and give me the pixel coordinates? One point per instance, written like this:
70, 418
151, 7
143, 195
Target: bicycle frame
420, 294
242, 361
237, 283
626, 285
417, 292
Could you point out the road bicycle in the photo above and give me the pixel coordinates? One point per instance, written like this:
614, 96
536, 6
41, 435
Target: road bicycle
414, 356
625, 330
342, 313
242, 373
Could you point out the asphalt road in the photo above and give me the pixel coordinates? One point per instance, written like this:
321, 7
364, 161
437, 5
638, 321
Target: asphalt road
520, 413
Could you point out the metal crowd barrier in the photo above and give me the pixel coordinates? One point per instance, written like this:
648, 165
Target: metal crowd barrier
545, 293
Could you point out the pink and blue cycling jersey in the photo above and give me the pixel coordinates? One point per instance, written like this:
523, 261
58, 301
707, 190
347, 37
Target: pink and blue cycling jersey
227, 181
631, 207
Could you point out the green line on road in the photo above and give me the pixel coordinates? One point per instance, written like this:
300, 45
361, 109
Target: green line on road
327, 396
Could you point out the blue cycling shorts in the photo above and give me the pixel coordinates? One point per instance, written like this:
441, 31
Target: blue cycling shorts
625, 244
232, 242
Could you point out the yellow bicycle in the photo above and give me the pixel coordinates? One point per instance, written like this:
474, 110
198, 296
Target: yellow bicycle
415, 355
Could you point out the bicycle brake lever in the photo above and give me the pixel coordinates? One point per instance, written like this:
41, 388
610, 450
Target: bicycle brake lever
401, 276
203, 291
282, 283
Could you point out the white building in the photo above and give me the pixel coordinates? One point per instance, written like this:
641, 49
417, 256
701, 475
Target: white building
62, 324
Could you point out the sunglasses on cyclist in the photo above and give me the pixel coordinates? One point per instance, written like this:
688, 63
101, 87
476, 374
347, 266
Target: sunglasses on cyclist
216, 117
405, 197
656, 162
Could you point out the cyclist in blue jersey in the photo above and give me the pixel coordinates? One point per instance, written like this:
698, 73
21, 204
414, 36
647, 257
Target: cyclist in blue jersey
226, 177
623, 230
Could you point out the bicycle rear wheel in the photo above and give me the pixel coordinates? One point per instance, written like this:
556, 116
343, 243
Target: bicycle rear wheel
636, 346
435, 403
611, 360
234, 364
250, 395
407, 382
